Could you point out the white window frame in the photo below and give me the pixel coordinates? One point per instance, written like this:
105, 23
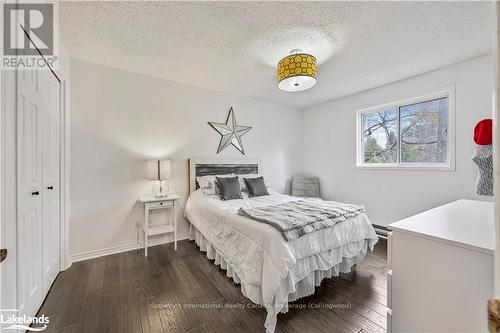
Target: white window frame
448, 166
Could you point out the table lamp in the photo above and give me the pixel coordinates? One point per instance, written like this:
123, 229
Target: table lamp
159, 170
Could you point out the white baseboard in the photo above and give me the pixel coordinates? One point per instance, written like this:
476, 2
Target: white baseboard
123, 248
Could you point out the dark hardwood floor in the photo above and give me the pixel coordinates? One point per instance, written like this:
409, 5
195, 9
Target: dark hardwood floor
129, 293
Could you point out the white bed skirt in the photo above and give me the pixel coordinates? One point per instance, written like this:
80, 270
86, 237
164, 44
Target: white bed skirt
300, 282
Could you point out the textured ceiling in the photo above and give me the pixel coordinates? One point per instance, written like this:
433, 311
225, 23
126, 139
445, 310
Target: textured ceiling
234, 46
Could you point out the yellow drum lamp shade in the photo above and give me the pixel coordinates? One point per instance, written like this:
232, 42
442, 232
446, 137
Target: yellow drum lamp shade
297, 72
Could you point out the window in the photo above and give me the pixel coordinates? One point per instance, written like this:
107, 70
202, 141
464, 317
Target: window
414, 133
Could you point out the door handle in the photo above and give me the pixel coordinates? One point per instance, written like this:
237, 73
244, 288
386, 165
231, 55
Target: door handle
35, 193
50, 188
3, 254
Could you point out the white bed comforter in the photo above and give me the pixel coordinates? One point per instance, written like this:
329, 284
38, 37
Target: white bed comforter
269, 268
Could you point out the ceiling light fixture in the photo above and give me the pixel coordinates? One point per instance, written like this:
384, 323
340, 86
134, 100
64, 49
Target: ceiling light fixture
297, 71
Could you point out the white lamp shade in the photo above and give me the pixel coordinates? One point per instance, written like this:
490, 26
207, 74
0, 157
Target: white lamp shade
297, 83
158, 169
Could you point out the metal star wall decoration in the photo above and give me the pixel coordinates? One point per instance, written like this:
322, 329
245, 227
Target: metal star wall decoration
230, 132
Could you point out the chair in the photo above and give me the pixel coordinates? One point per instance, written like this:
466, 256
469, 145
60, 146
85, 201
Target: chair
304, 186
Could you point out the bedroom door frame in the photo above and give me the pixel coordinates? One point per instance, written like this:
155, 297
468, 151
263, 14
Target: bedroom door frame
496, 141
64, 258
8, 189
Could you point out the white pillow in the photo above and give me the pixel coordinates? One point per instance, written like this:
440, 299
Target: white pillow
207, 183
243, 185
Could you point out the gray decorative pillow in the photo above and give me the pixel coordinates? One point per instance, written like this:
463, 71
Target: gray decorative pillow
243, 186
256, 186
229, 188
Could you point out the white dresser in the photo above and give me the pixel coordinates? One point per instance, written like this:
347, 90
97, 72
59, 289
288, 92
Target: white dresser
440, 269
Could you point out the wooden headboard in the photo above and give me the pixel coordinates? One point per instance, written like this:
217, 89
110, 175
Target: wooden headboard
210, 166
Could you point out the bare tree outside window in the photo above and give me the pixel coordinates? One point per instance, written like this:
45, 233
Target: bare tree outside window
408, 134
380, 137
424, 132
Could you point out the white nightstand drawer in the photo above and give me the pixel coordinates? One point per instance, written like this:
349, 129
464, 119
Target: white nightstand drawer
159, 204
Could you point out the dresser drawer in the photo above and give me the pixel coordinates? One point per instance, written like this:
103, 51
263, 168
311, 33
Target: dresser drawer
159, 204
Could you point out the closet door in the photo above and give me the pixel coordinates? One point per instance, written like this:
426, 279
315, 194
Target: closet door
50, 179
29, 183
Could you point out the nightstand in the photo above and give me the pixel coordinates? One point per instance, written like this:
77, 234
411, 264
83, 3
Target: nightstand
151, 203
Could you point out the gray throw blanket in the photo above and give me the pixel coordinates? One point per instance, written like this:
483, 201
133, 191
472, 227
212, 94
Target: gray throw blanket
297, 218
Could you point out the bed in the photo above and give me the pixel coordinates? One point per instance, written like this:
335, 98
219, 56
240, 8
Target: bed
270, 270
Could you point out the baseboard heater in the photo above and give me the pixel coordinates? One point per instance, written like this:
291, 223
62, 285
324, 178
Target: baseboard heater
381, 230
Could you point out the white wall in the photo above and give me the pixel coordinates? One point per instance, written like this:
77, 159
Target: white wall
329, 145
120, 119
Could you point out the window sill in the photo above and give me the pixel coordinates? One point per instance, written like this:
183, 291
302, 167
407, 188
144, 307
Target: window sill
406, 167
